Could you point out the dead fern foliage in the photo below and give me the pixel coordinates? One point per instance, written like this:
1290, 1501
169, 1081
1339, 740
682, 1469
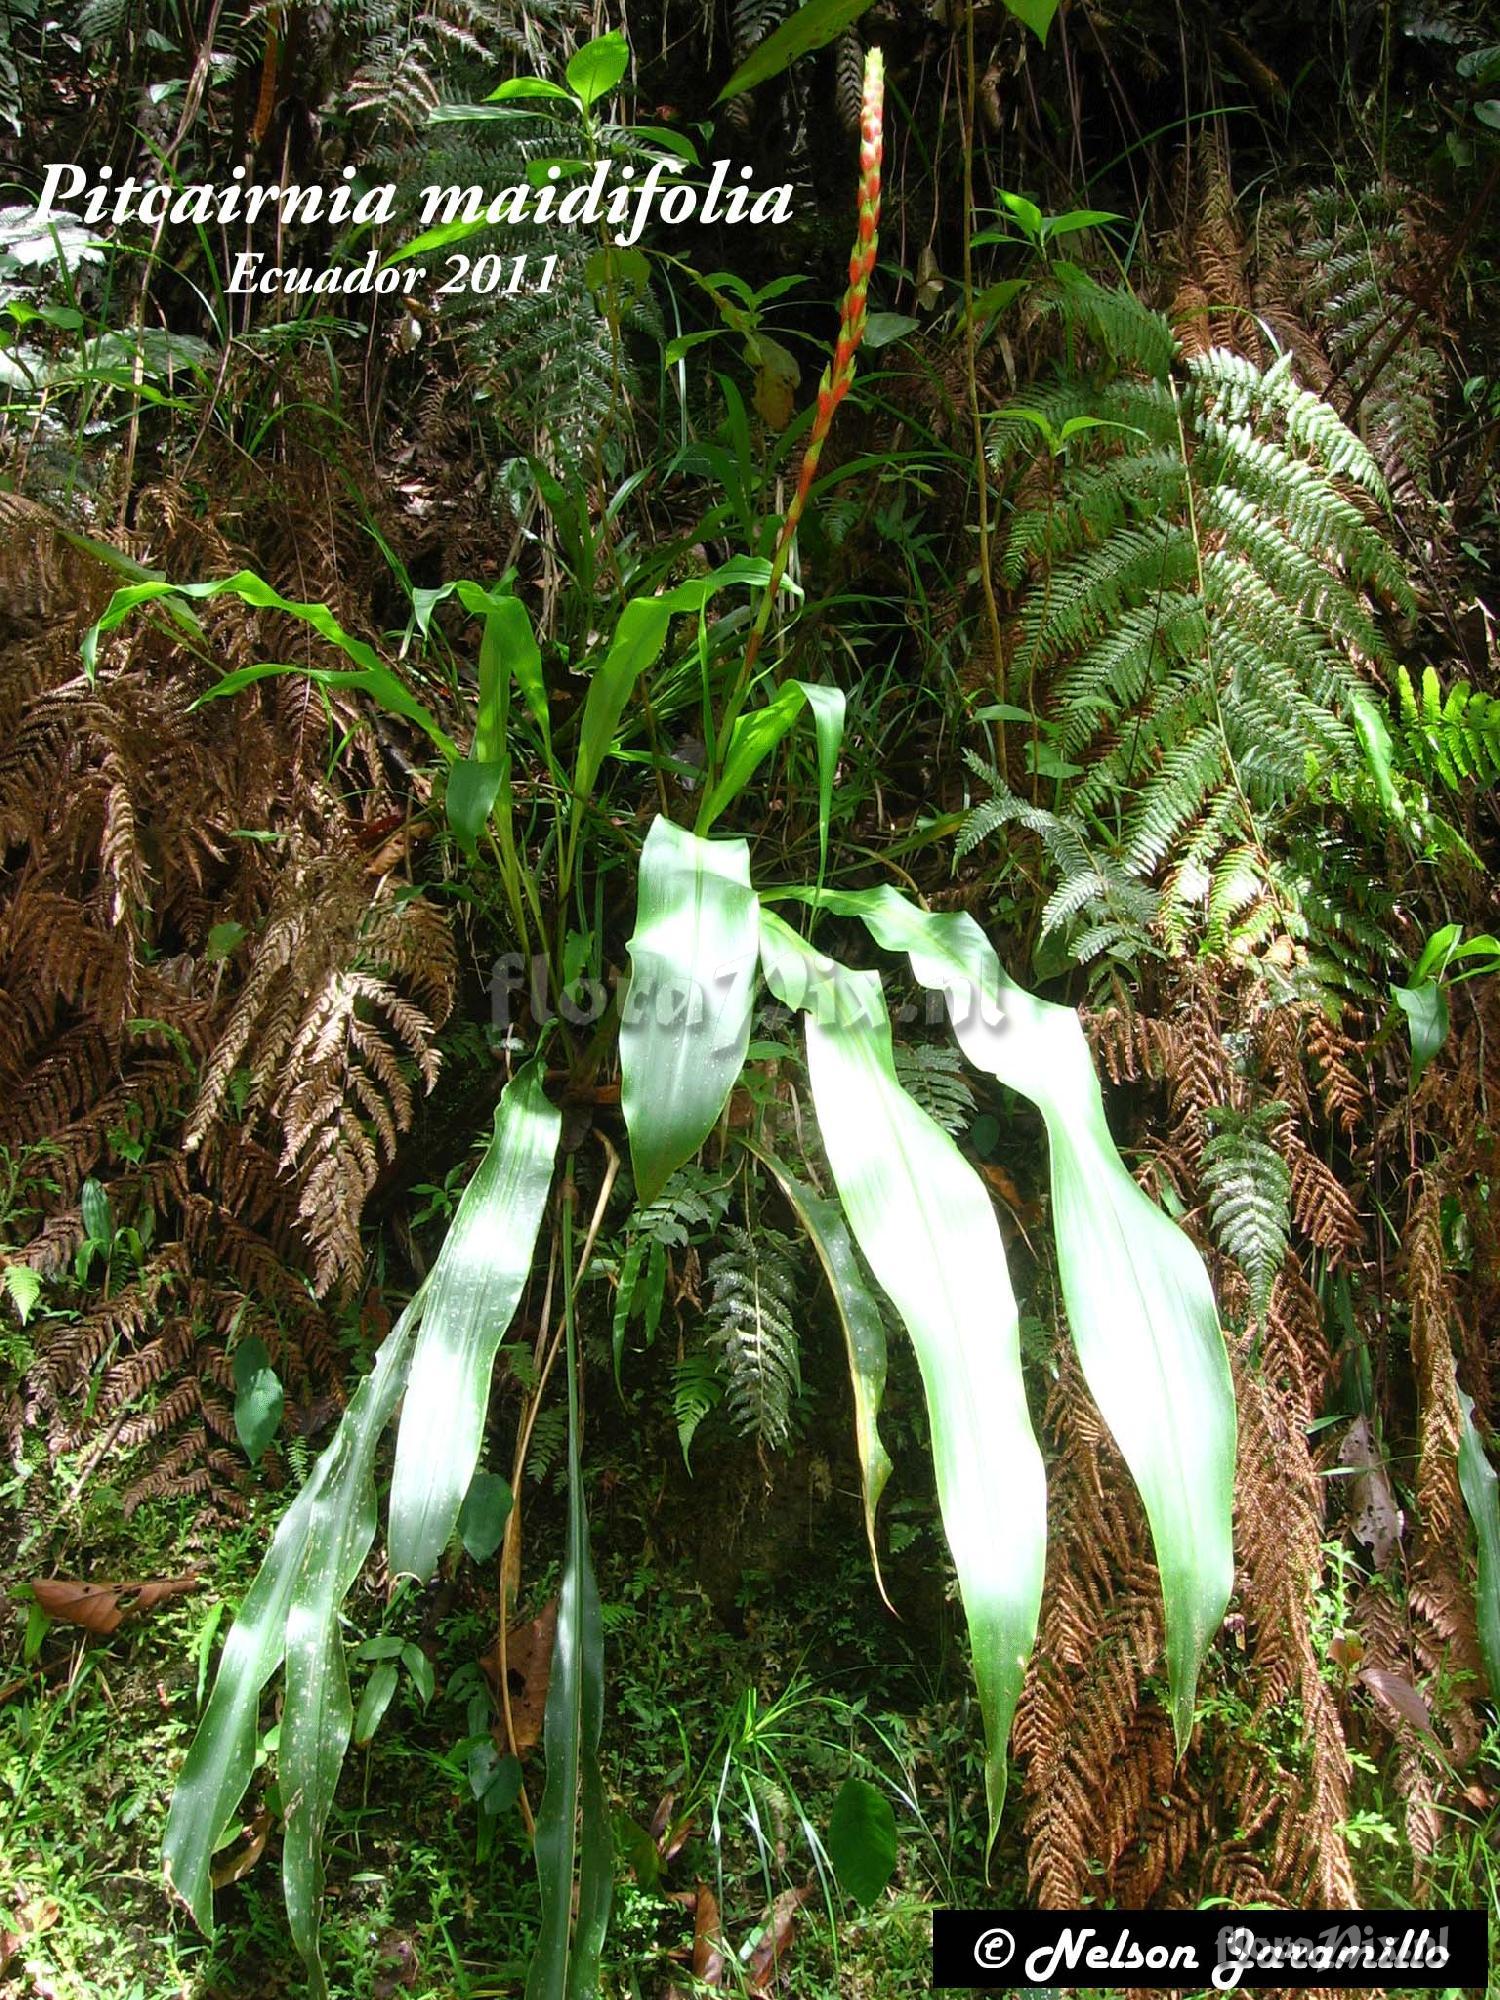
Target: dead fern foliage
218, 993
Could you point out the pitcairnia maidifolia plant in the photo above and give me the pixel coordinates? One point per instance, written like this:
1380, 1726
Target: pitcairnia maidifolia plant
1138, 1300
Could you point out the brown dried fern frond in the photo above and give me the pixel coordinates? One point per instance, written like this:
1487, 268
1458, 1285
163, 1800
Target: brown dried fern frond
329, 1043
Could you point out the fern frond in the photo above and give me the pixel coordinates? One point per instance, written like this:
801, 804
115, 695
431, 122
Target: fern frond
933, 1075
1249, 1189
1452, 738
753, 1284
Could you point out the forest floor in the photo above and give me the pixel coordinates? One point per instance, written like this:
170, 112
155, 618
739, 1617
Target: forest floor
739, 1711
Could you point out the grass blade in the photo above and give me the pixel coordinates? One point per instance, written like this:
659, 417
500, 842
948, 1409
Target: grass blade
471, 1299
685, 1025
924, 1222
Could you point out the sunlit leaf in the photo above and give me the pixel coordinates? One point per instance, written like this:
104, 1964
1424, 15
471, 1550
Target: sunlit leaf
221, 1758
1140, 1307
922, 1218
598, 67
685, 1021
471, 1299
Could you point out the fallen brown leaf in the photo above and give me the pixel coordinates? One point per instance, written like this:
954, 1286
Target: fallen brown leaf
102, 1608
528, 1664
708, 1955
234, 1867
775, 1941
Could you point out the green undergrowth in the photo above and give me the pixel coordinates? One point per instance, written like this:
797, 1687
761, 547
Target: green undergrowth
746, 1713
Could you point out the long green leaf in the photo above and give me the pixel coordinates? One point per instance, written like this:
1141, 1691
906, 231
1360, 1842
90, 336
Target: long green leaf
925, 1224
813, 24
1481, 1491
639, 637
1139, 1302
757, 732
471, 1299
572, 1828
318, 1714
221, 1758
685, 1023
864, 1332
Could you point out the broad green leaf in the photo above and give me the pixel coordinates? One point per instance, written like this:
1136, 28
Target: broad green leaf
862, 1841
883, 328
573, 1834
317, 1714
419, 1667
1034, 14
508, 647
473, 788
1481, 1491
370, 674
93, 1207
685, 1021
258, 1398
639, 637
471, 1298
598, 67
1140, 1306
925, 1224
482, 1518
1375, 740
518, 88
1426, 1010
864, 1332
373, 1703
815, 23
221, 1758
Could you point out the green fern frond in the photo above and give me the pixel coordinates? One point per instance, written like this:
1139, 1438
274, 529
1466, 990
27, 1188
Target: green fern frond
691, 1204
1199, 616
697, 1388
753, 1285
1249, 1192
933, 1075
1452, 738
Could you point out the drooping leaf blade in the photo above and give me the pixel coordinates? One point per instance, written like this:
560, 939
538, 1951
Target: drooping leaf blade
1481, 1491
471, 1298
318, 1714
924, 1222
221, 1758
1140, 1307
685, 1021
369, 674
863, 1328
